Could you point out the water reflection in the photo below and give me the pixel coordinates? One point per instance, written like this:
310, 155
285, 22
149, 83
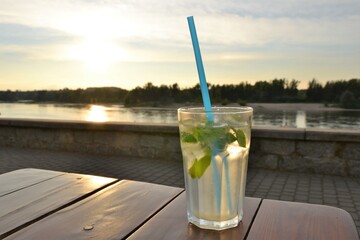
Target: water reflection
97, 113
333, 119
308, 119
117, 113
301, 119
158, 115
288, 119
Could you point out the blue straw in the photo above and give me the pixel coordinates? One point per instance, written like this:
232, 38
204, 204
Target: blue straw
200, 69
206, 100
209, 115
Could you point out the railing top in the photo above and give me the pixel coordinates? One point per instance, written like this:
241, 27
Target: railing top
309, 134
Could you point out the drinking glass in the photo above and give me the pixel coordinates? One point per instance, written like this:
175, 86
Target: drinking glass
215, 149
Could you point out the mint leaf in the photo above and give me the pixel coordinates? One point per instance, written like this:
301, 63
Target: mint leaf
240, 135
211, 137
230, 137
199, 134
214, 137
199, 166
187, 137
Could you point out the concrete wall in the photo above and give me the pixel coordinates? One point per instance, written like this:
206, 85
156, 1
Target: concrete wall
335, 152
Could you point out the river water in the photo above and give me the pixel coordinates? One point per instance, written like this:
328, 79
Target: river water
117, 113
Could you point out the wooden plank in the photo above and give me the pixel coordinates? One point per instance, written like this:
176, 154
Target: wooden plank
289, 220
19, 179
171, 223
113, 213
30, 204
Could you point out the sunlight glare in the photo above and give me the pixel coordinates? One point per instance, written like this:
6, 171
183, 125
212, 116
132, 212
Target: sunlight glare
98, 181
96, 53
97, 114
98, 50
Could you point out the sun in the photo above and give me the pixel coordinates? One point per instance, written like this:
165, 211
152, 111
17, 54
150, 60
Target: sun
99, 33
96, 53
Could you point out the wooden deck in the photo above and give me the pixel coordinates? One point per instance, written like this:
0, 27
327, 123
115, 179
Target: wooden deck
57, 205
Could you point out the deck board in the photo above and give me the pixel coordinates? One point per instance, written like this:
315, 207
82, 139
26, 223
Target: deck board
19, 179
172, 223
31, 203
112, 213
290, 220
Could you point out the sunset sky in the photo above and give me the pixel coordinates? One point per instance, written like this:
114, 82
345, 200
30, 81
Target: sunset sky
47, 44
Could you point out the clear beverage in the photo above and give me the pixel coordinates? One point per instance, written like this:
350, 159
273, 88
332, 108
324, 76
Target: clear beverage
215, 155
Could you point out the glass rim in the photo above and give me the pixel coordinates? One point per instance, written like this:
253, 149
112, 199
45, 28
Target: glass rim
216, 110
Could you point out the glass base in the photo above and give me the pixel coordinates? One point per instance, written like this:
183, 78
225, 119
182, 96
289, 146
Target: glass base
215, 225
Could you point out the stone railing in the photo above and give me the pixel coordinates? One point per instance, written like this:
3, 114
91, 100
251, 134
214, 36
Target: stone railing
335, 152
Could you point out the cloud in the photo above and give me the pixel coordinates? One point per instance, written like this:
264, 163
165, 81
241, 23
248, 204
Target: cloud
36, 43
17, 34
306, 9
53, 52
232, 29
158, 27
166, 19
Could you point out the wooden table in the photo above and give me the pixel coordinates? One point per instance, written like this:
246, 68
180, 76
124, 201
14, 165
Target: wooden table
41, 204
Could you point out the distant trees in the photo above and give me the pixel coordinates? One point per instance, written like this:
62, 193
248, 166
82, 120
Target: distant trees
291, 89
7, 96
314, 91
348, 100
151, 95
89, 95
344, 93
277, 90
334, 89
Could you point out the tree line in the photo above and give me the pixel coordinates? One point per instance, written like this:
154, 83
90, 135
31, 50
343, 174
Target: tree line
88, 95
345, 93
